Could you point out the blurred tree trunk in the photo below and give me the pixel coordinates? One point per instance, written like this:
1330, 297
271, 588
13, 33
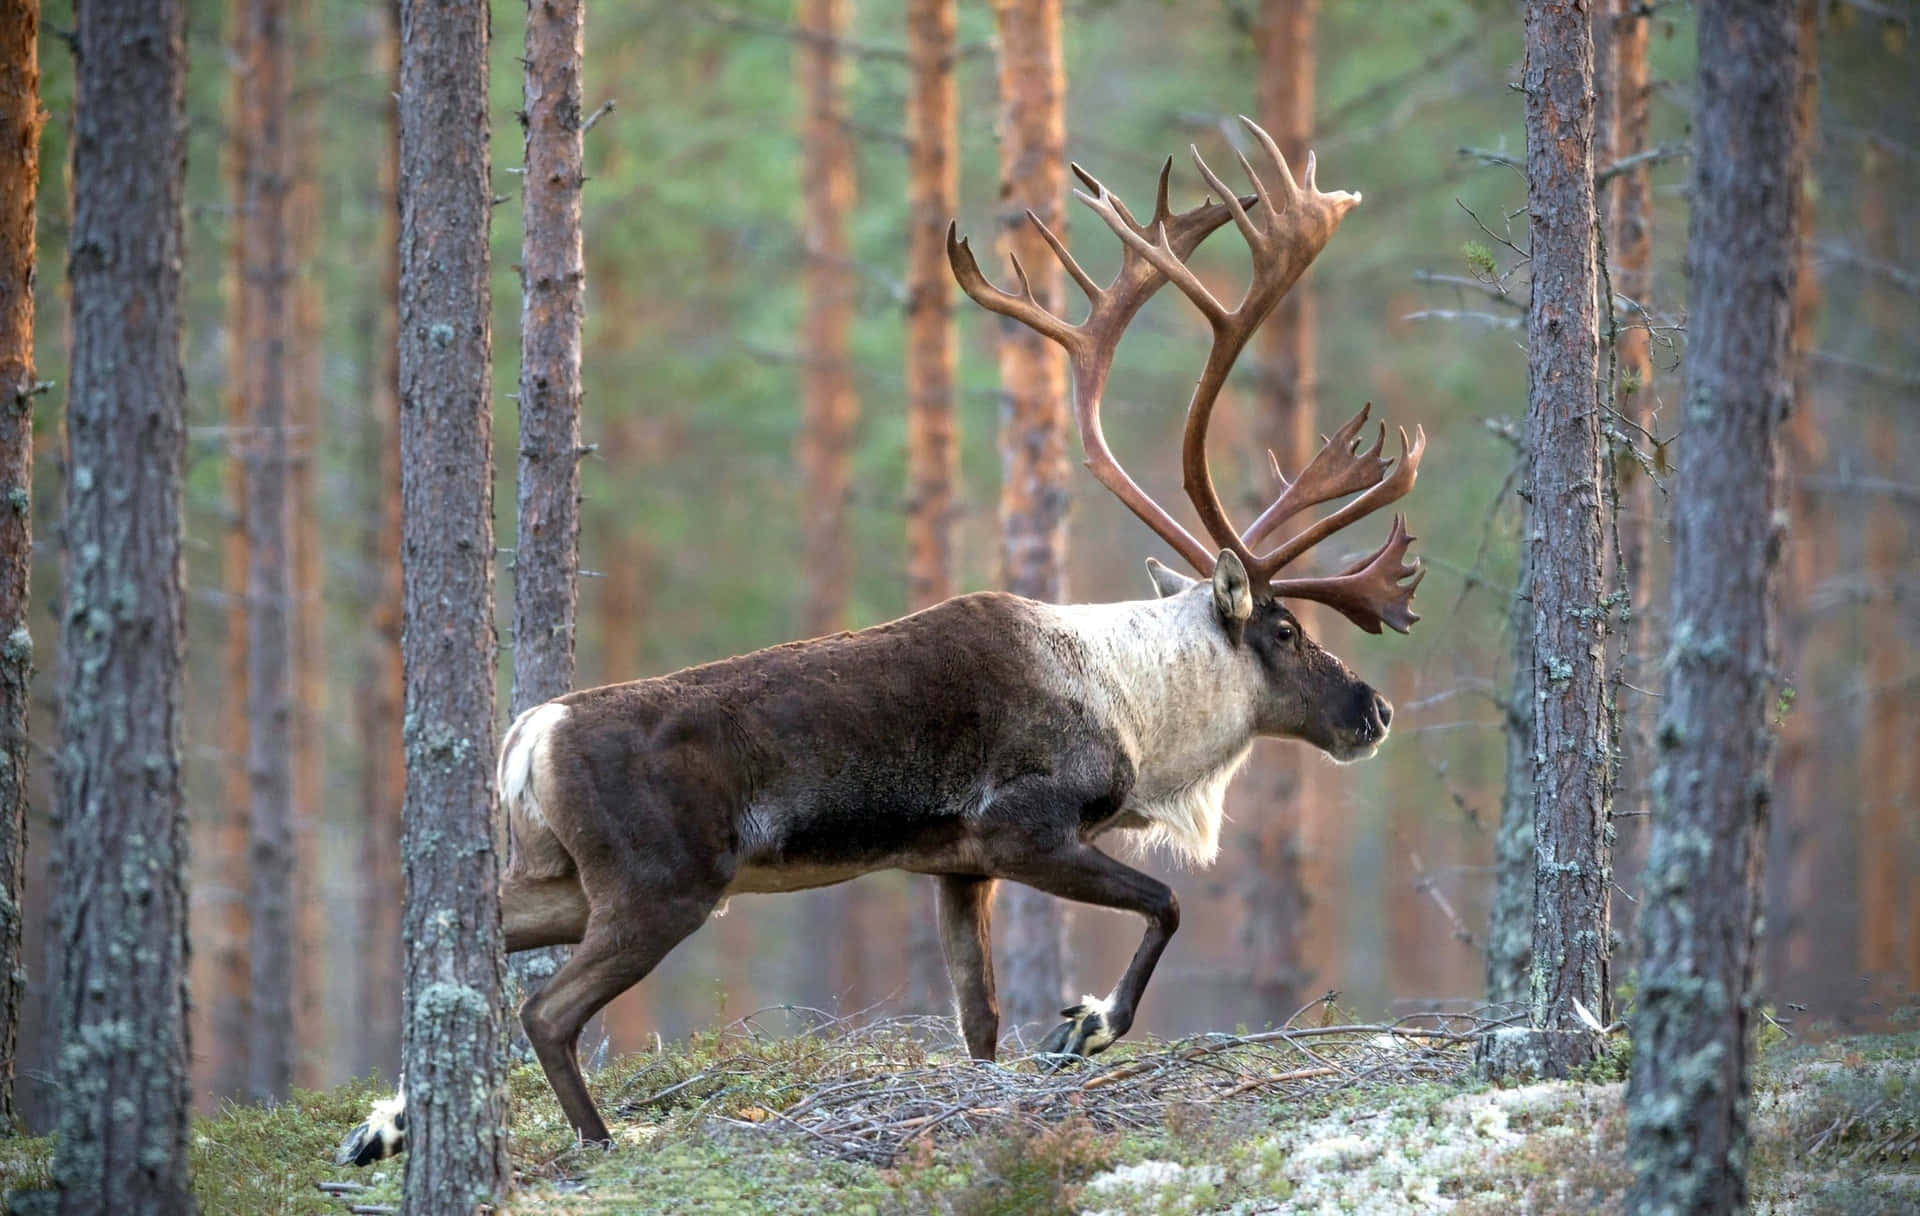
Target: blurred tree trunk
264, 150
20, 122
933, 450
1799, 830
1274, 892
1033, 428
553, 283
382, 686
230, 1011
1687, 1096
314, 1044
120, 824
1629, 219
1887, 862
1510, 924
1572, 744
452, 1034
830, 405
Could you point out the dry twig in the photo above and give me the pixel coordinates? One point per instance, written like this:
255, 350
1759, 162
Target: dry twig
879, 1087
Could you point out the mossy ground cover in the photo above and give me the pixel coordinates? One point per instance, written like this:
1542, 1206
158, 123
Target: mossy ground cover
701, 1129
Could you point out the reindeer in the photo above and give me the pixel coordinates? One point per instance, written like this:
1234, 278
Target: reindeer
989, 737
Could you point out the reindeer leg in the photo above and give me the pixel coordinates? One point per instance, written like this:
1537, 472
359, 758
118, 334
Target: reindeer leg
1084, 874
620, 947
966, 921
537, 912
534, 912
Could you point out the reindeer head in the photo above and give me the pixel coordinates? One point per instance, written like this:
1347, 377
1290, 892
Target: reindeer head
1303, 691
1300, 689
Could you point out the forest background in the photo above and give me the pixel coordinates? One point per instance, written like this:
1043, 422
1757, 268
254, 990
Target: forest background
693, 523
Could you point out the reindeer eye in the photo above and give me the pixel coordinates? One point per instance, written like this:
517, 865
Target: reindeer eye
1285, 632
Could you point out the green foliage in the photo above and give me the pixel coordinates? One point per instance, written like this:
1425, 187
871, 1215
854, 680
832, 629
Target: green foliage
1612, 1063
1829, 1122
1024, 1172
245, 1160
1479, 259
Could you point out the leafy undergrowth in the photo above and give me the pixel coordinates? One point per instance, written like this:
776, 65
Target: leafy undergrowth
740, 1122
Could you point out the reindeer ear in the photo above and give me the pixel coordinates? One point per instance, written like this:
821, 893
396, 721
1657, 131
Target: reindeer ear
1166, 582
1232, 594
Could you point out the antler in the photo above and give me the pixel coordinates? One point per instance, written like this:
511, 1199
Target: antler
1090, 345
1285, 229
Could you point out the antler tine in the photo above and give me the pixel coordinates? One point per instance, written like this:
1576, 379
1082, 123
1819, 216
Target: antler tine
1335, 471
1092, 289
1157, 252
1376, 590
1291, 188
1022, 308
1384, 488
1254, 237
1162, 209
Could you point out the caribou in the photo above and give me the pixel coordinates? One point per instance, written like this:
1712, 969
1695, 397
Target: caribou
988, 738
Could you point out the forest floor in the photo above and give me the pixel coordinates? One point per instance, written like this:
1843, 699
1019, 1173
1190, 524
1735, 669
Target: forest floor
874, 1120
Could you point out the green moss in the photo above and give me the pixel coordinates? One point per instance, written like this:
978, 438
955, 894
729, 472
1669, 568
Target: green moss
1828, 1124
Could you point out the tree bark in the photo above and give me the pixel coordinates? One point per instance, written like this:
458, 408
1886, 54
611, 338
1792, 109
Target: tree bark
1802, 836
383, 779
20, 121
451, 1038
830, 407
1621, 44
1572, 743
553, 280
1033, 427
933, 449
120, 824
1687, 1096
263, 149
1630, 246
1885, 846
1510, 924
312, 1036
1274, 890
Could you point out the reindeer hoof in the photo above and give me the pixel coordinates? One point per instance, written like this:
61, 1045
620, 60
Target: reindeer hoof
384, 1134
1087, 1030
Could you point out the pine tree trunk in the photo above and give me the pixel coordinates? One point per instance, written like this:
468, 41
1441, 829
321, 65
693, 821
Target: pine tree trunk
933, 449
1510, 923
1687, 1097
230, 1011
121, 832
1887, 864
452, 1035
1033, 429
1802, 838
1572, 744
546, 558
312, 1036
264, 148
1629, 228
20, 121
1274, 891
1630, 246
383, 778
829, 405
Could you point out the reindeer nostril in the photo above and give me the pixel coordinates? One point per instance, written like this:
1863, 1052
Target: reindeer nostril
1384, 708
